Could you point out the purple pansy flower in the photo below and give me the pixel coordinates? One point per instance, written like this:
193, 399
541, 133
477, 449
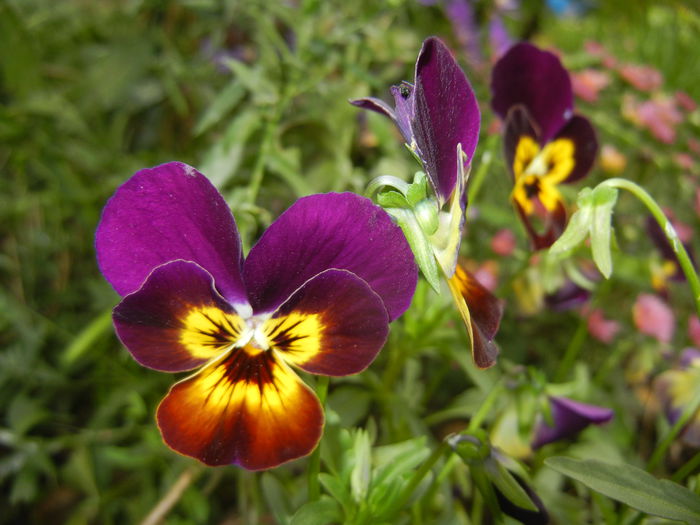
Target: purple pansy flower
439, 119
569, 417
317, 291
545, 144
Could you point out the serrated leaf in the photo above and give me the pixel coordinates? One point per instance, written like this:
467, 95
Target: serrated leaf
321, 512
632, 486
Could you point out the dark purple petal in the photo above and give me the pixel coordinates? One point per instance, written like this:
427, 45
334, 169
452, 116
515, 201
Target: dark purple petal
404, 100
331, 231
176, 321
569, 418
526, 75
375, 104
553, 228
568, 296
446, 114
333, 325
579, 130
163, 214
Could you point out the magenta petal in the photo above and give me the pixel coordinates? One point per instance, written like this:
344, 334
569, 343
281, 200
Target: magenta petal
166, 213
331, 231
526, 75
569, 417
446, 114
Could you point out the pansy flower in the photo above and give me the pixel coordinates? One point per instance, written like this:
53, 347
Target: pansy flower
569, 417
545, 144
439, 119
316, 292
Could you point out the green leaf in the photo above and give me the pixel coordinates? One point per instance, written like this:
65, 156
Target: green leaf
362, 470
604, 199
418, 190
276, 497
632, 486
321, 512
222, 104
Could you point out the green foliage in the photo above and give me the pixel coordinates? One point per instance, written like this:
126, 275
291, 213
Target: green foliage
634, 487
255, 95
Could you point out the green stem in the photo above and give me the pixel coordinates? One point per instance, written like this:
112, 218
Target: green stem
418, 476
484, 165
687, 469
572, 350
256, 176
315, 460
485, 407
668, 229
661, 448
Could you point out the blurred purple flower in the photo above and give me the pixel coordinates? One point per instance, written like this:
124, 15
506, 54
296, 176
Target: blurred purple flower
545, 144
569, 417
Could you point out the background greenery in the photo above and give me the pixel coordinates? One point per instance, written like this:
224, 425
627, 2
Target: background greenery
254, 94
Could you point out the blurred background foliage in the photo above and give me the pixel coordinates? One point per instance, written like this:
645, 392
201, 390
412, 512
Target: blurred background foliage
254, 94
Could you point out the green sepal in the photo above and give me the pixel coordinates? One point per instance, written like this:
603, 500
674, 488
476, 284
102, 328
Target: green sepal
604, 199
508, 486
419, 243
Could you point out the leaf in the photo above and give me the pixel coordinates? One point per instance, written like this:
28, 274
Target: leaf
362, 470
321, 512
221, 105
632, 486
276, 498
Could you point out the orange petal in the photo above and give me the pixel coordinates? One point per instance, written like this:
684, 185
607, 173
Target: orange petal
248, 408
481, 312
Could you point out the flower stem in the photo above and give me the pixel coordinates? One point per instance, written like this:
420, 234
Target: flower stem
658, 454
572, 350
485, 407
168, 501
668, 229
418, 476
484, 165
314, 487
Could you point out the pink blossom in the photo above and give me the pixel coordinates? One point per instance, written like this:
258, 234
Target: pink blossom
487, 275
685, 101
694, 145
503, 242
659, 115
643, 78
588, 83
684, 160
653, 317
602, 329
